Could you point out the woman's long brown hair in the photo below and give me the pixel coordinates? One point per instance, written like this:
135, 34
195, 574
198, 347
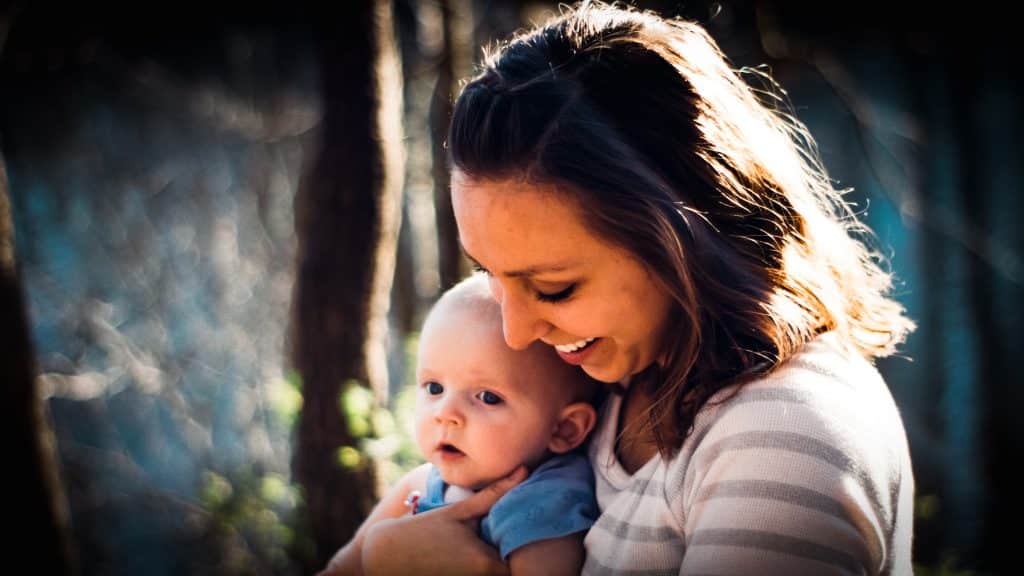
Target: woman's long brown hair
669, 153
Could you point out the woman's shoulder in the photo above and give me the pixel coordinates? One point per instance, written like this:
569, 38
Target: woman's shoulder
816, 447
823, 403
822, 379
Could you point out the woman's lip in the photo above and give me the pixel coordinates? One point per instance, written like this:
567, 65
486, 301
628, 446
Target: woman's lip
576, 358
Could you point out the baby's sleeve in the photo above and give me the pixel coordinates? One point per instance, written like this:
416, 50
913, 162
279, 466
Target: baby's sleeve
556, 500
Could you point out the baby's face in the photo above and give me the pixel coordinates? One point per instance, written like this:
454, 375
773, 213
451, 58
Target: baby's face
482, 409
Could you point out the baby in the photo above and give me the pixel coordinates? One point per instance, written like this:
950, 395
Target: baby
482, 410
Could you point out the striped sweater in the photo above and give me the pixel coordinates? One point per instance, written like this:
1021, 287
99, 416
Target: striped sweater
805, 471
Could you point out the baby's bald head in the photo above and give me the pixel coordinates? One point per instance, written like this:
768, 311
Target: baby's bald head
471, 305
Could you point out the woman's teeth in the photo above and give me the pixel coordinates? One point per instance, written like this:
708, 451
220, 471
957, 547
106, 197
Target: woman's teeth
574, 346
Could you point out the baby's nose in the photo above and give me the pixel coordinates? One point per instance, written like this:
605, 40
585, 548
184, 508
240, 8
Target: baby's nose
448, 412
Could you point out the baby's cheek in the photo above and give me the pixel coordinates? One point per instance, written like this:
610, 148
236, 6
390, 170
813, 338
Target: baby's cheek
421, 428
517, 443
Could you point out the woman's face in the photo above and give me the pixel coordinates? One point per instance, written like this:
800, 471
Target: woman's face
556, 282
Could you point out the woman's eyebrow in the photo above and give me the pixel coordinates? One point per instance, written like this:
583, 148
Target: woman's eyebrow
525, 272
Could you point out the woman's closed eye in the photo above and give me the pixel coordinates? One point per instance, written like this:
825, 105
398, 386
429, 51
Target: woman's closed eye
489, 398
541, 295
558, 296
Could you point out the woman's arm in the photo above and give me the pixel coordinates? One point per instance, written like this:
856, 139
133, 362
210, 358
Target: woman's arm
441, 541
555, 556
348, 560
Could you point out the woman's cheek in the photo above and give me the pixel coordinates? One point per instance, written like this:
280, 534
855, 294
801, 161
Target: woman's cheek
574, 319
496, 290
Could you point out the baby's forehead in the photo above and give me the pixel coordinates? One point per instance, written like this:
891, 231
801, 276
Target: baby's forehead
480, 357
531, 373
470, 299
469, 312
488, 359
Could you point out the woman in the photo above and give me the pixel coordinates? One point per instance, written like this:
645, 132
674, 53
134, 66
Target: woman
641, 210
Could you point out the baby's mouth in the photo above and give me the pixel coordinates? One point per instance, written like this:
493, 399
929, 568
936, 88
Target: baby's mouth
447, 448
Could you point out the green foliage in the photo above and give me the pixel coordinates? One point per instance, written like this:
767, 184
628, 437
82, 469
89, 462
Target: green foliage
945, 567
251, 519
215, 490
926, 509
349, 457
285, 398
384, 435
395, 450
358, 405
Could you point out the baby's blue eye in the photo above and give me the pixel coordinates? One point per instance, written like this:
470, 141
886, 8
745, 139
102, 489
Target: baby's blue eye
433, 388
489, 398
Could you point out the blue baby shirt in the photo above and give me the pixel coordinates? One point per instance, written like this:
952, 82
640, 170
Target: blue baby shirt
556, 500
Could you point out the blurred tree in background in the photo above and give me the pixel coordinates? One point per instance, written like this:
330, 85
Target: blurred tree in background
46, 528
347, 226
224, 308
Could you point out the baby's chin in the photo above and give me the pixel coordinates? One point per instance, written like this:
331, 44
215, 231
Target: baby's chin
472, 482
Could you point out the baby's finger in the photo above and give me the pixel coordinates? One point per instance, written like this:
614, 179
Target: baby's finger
480, 503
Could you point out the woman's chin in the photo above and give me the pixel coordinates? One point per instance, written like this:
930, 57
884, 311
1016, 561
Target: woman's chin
606, 374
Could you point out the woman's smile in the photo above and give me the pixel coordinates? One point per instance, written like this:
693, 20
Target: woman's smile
576, 353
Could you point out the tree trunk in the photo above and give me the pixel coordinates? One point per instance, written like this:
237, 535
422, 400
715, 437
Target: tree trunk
347, 219
450, 68
988, 546
40, 520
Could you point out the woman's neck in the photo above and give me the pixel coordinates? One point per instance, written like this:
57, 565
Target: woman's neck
635, 445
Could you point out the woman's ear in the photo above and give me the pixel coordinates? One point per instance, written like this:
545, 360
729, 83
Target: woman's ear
575, 421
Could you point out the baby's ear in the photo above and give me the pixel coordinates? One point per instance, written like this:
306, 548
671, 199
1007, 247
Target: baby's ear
575, 421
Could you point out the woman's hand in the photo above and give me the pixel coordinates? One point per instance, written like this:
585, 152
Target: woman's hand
442, 541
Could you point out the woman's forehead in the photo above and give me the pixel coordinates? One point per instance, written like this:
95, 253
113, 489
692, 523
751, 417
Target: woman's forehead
506, 193
524, 229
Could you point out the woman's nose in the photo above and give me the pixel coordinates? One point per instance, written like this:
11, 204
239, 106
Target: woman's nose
519, 321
